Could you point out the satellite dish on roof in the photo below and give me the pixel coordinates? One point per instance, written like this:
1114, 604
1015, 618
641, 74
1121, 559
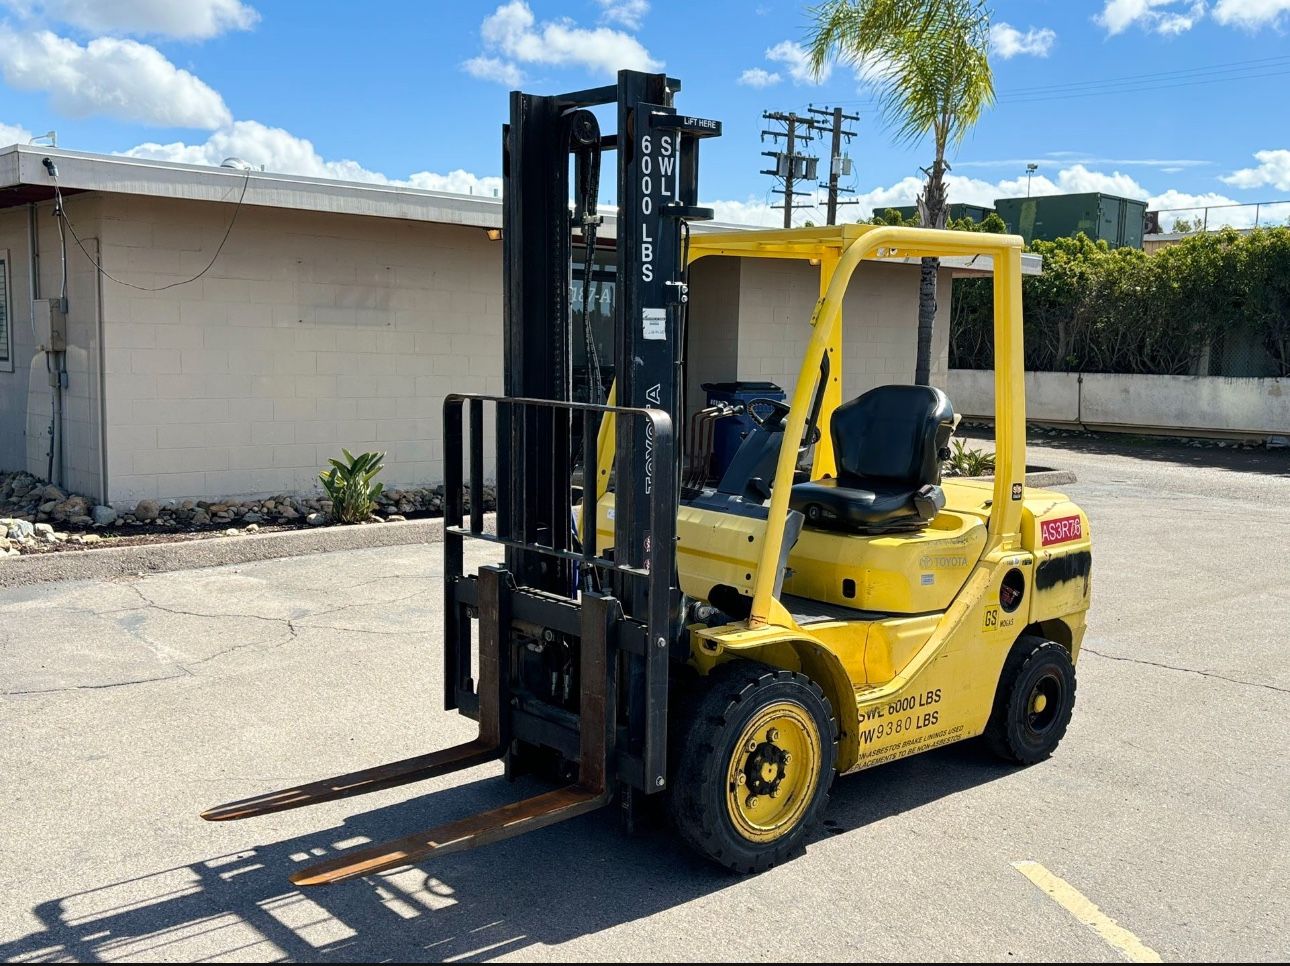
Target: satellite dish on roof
237, 163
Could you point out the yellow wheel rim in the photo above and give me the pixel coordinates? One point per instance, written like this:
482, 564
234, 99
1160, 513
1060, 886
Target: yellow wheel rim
774, 768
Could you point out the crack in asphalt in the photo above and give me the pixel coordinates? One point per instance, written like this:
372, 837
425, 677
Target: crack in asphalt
293, 626
100, 687
1187, 670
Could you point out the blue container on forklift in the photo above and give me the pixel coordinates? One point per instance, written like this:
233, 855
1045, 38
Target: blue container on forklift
729, 433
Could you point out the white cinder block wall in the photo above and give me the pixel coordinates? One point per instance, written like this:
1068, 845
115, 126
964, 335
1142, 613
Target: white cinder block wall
311, 332
879, 318
25, 393
315, 331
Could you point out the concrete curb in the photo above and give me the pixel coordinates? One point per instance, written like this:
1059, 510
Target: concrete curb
1050, 478
107, 562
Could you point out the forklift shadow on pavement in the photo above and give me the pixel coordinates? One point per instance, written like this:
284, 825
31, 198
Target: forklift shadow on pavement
547, 888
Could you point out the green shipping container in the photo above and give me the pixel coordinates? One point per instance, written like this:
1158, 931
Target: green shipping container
1117, 221
975, 212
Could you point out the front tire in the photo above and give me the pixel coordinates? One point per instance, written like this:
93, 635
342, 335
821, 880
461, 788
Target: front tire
754, 759
1033, 703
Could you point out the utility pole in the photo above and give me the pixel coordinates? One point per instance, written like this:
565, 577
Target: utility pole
789, 164
838, 164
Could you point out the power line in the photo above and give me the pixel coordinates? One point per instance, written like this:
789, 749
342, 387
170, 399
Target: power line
791, 166
64, 220
838, 162
1133, 83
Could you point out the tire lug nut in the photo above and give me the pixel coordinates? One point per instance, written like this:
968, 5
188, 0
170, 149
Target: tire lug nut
788, 757
752, 801
772, 735
752, 745
741, 779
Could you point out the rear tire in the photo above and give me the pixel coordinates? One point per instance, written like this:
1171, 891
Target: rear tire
1033, 703
754, 757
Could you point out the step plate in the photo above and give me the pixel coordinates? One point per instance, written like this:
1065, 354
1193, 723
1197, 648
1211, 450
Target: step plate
459, 836
396, 773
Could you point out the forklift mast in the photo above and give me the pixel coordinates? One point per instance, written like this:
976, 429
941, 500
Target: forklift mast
563, 652
574, 627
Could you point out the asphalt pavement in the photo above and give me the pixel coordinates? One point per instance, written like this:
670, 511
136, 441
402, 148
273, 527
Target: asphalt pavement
129, 704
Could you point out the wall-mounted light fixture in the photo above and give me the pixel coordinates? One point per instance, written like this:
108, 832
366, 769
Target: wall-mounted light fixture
494, 234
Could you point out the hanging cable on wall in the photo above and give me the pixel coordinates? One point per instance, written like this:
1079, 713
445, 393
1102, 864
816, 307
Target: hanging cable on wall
61, 212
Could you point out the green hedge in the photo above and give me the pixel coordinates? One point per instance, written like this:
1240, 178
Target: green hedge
1215, 304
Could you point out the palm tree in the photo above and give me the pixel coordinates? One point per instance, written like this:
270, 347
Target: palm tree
928, 60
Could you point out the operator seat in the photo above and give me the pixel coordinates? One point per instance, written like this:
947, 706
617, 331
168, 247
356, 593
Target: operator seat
888, 444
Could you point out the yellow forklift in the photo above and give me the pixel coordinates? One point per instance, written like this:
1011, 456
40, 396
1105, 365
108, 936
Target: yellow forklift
827, 604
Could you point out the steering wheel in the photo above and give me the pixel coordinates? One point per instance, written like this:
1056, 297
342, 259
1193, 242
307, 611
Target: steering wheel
777, 418
772, 420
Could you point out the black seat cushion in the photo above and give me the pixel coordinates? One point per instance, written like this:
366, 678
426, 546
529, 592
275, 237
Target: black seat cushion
888, 446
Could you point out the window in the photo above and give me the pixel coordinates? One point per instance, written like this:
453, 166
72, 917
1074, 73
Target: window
6, 339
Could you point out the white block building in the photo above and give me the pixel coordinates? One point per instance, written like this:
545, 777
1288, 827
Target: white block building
336, 315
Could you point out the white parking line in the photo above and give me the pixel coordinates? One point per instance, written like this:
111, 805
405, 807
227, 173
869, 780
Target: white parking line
1079, 906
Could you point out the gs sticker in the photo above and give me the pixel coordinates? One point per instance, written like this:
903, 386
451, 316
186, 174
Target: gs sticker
991, 621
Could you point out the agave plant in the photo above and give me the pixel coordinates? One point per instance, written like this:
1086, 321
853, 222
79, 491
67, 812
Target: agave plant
969, 462
349, 484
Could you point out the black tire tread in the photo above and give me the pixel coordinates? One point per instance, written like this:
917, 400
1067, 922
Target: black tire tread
1026, 652
721, 698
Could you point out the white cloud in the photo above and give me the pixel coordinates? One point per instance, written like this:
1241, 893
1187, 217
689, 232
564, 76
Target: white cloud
1077, 179
795, 60
120, 78
1007, 41
492, 69
13, 134
512, 36
1251, 14
756, 77
184, 19
283, 152
629, 13
1273, 169
1169, 17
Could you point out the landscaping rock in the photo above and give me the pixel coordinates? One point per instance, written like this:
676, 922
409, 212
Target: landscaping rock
252, 517
52, 492
42, 530
315, 519
73, 506
103, 516
146, 510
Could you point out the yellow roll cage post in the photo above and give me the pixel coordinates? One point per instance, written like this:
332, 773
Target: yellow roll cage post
838, 250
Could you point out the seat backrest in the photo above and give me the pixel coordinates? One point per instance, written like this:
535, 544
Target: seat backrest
893, 434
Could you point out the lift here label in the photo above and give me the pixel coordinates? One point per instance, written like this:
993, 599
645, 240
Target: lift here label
1061, 530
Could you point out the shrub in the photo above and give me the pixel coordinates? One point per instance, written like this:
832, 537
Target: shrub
1217, 303
968, 462
350, 487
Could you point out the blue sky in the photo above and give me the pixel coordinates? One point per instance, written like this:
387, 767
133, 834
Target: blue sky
1182, 102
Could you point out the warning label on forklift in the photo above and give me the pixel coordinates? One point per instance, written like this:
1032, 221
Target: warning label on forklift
654, 324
